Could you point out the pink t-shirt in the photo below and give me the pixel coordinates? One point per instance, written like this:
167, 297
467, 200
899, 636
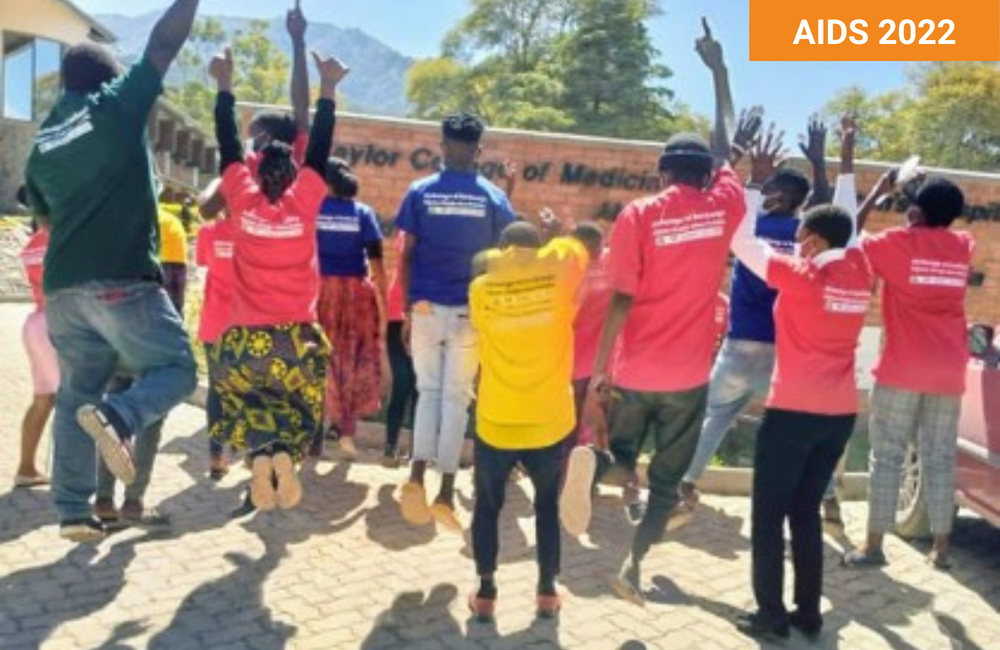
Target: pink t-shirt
818, 318
33, 259
595, 299
924, 273
395, 298
298, 153
275, 272
669, 253
215, 253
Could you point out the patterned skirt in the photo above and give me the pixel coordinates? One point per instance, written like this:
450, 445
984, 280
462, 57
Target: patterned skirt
270, 382
348, 311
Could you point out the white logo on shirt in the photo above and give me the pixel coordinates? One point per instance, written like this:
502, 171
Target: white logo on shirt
338, 223
456, 205
290, 227
694, 227
936, 273
60, 135
845, 301
223, 249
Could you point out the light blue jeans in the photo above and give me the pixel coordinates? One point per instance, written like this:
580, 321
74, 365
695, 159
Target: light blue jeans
95, 328
742, 372
445, 360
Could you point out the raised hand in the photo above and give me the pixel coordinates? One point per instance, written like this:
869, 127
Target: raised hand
296, 23
767, 155
221, 69
747, 129
331, 70
813, 144
847, 134
709, 49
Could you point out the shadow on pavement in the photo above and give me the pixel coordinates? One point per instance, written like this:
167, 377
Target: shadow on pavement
384, 524
412, 619
41, 599
24, 510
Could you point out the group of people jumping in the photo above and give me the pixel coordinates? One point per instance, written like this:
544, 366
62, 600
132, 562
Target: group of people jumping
578, 346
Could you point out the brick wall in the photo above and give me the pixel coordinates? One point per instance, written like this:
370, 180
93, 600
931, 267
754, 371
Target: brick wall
583, 177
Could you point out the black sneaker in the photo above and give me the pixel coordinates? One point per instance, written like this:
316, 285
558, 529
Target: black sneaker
111, 438
809, 625
83, 531
760, 627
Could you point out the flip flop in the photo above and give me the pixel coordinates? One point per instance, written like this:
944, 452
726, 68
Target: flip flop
23, 481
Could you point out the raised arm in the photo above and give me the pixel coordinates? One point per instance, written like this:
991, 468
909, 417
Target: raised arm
331, 72
814, 150
884, 187
747, 130
226, 132
710, 52
297, 24
170, 33
753, 253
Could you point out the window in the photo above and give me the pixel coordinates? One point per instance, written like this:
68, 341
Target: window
30, 76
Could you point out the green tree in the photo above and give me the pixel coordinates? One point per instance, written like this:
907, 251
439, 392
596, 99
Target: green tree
947, 115
613, 85
262, 69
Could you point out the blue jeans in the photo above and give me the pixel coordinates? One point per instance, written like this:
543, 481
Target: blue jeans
445, 360
742, 371
95, 328
144, 454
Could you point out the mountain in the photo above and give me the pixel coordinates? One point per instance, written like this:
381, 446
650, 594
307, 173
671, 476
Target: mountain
377, 83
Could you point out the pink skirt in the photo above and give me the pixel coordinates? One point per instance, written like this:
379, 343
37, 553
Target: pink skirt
348, 312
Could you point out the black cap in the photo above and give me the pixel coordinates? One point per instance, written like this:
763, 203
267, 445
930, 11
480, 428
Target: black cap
686, 144
463, 127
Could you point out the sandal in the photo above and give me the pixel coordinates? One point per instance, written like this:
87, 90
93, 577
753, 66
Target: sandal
862, 560
26, 481
939, 561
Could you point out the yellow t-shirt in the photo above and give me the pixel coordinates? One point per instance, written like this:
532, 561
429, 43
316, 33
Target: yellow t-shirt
523, 309
173, 239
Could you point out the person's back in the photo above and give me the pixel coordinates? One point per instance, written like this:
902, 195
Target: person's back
924, 273
669, 253
90, 173
455, 215
523, 310
819, 315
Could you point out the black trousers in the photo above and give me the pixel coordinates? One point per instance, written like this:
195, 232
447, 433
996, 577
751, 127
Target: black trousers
404, 383
493, 466
795, 457
674, 420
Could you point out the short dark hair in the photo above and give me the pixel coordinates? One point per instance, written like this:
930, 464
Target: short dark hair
522, 234
589, 234
277, 170
830, 222
463, 127
86, 67
792, 184
687, 158
941, 201
341, 179
279, 126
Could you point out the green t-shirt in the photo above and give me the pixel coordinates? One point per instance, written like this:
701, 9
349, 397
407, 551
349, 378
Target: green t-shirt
91, 174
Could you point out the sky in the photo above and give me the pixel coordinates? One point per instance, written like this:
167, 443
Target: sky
789, 91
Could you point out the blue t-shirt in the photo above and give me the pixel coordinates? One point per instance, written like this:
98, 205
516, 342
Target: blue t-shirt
454, 216
343, 231
751, 301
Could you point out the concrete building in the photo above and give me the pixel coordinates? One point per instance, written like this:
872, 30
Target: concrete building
34, 34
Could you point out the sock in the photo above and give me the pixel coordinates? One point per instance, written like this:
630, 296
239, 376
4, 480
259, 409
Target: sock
487, 588
547, 586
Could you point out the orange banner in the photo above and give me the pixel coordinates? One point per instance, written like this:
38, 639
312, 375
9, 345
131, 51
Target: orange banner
873, 30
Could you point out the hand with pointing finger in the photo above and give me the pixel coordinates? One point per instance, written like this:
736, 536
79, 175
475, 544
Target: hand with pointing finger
709, 49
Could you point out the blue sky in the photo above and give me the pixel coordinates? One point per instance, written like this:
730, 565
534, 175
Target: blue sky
789, 91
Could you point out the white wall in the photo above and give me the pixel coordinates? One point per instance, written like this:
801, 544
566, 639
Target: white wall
45, 18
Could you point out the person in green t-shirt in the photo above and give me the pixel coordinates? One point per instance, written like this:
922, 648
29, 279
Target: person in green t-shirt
90, 177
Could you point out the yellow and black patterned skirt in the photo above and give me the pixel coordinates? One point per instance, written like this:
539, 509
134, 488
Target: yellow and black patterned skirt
271, 382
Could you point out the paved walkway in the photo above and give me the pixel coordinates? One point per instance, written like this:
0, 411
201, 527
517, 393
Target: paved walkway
344, 572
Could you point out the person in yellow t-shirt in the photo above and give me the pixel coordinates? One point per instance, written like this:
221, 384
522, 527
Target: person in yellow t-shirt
523, 307
173, 258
